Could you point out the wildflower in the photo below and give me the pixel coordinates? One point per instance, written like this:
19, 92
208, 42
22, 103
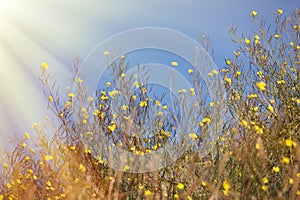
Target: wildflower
270, 108
82, 167
124, 107
226, 185
108, 84
286, 160
148, 193
176, 196
211, 104
122, 57
112, 127
192, 91
244, 123
133, 97
49, 184
190, 71
174, 64
180, 186
214, 71
8, 185
126, 167
247, 41
71, 95
253, 13
261, 85
203, 183
157, 102
236, 53
73, 148
276, 36
107, 53
291, 181
24, 145
228, 62
291, 44
206, 120
143, 103
250, 96
144, 90
228, 80
182, 91
257, 146
264, 188
123, 75
79, 80
44, 65
265, 180
91, 99
50, 98
290, 143
46, 158
276, 169
280, 11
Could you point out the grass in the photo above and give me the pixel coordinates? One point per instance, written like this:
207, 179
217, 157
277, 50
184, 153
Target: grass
256, 157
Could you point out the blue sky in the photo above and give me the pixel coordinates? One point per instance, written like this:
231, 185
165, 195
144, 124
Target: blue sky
33, 31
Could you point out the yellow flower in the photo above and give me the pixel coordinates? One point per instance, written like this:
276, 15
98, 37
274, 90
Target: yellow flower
226, 185
176, 196
291, 181
289, 143
236, 53
50, 98
270, 108
112, 127
122, 57
253, 13
180, 186
276, 36
108, 84
265, 180
143, 103
26, 135
71, 95
148, 193
276, 169
264, 187
247, 41
124, 107
228, 62
79, 80
203, 183
280, 11
106, 53
174, 64
82, 168
228, 80
286, 160
49, 184
261, 85
190, 71
44, 65
244, 123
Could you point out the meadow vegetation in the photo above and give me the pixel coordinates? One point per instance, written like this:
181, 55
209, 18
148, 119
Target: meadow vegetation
256, 156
